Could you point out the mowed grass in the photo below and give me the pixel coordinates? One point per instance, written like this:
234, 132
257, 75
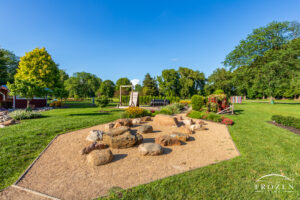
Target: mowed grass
264, 148
22, 143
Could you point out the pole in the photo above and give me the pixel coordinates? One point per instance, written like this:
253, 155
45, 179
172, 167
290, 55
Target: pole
120, 95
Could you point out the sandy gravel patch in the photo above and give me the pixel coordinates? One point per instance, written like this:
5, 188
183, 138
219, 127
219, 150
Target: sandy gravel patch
64, 173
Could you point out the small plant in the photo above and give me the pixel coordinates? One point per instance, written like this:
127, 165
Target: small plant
197, 102
55, 104
23, 114
134, 112
213, 117
102, 101
227, 121
196, 114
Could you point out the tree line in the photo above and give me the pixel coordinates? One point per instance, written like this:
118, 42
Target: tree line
265, 64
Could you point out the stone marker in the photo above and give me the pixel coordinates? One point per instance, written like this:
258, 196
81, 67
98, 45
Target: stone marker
100, 157
95, 135
165, 120
150, 149
145, 129
166, 140
180, 136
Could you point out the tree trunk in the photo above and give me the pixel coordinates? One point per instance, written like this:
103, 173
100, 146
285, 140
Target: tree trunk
28, 103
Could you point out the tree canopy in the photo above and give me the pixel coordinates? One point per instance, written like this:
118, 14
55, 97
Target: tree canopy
83, 84
150, 86
262, 39
107, 88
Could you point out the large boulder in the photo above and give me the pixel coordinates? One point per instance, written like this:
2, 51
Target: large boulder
123, 122
100, 157
180, 136
117, 131
150, 149
94, 136
146, 119
145, 129
93, 146
122, 141
166, 140
165, 120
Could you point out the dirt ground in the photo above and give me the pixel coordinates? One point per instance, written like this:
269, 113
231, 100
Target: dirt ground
64, 173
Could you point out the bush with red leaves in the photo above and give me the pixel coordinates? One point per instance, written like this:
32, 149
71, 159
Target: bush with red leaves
227, 121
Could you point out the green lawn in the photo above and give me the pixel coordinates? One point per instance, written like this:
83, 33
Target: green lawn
21, 144
264, 149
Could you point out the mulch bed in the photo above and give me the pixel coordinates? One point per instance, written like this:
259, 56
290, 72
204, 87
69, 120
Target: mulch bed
289, 128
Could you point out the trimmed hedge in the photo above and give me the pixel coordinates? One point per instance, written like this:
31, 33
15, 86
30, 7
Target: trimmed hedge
287, 121
197, 102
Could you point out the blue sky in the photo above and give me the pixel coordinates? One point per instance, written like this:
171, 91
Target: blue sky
114, 39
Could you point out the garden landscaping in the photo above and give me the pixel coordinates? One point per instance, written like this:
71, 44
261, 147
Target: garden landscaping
64, 171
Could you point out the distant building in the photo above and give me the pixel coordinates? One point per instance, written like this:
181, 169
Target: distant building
7, 101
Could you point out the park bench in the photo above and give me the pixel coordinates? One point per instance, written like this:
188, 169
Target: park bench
159, 102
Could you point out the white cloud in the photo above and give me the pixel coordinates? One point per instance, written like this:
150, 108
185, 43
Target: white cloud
135, 81
174, 59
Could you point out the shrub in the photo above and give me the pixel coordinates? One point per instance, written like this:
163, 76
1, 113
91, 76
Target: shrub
219, 91
197, 102
287, 121
171, 109
23, 114
227, 121
134, 112
102, 101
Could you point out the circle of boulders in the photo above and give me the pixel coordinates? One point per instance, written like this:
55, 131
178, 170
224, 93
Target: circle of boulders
95, 135
150, 149
100, 157
145, 129
166, 140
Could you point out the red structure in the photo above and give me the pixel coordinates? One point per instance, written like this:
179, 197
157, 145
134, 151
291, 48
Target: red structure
220, 101
7, 101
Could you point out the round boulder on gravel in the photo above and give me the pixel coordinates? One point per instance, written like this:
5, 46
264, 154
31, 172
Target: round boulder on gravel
145, 129
150, 149
100, 157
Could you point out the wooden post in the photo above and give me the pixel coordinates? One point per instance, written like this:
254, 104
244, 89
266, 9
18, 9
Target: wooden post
232, 111
120, 95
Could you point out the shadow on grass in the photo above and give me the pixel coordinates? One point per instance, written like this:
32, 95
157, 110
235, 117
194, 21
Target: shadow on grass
238, 112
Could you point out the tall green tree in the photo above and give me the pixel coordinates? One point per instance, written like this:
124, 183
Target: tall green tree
150, 86
36, 74
8, 66
122, 81
219, 79
272, 36
83, 84
169, 83
107, 88
191, 82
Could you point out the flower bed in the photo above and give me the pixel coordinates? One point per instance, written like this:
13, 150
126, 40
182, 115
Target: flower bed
210, 116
